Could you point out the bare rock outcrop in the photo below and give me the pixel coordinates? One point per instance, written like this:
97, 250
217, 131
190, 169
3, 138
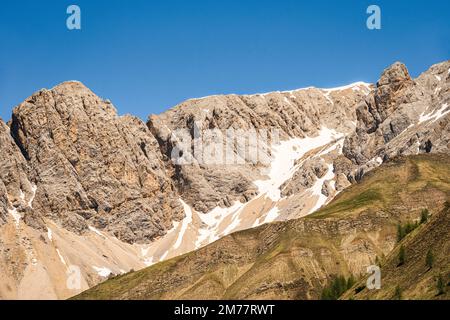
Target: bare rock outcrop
401, 116
16, 191
3, 204
91, 166
80, 184
305, 177
298, 113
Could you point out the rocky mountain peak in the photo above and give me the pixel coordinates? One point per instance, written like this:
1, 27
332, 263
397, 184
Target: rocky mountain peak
92, 167
401, 116
395, 73
74, 174
71, 86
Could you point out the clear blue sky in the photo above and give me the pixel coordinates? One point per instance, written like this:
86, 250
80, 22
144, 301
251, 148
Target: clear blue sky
147, 56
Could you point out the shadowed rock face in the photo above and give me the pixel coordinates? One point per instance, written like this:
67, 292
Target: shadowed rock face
91, 166
15, 187
3, 203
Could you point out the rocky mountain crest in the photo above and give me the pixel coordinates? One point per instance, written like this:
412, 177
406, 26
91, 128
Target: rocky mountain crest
81, 185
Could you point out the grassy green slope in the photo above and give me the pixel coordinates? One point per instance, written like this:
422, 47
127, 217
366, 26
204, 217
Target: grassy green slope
296, 259
414, 278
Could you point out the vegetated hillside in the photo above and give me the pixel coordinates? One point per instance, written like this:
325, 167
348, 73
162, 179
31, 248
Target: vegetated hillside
296, 259
425, 270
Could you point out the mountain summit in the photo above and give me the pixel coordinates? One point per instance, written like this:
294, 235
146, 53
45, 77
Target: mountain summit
84, 189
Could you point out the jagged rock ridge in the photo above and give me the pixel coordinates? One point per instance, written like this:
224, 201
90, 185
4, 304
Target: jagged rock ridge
92, 167
76, 175
401, 116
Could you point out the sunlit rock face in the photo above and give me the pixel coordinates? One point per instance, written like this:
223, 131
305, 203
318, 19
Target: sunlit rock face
82, 188
402, 116
92, 167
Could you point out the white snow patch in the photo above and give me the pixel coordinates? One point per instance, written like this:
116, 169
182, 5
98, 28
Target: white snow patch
285, 154
375, 160
333, 184
356, 86
163, 257
144, 251
327, 96
49, 234
438, 78
338, 144
434, 115
97, 232
102, 272
206, 97
317, 188
256, 223
440, 113
287, 101
22, 195
272, 215
292, 91
184, 224
61, 258
16, 216
212, 219
425, 117
33, 190
272, 92
235, 221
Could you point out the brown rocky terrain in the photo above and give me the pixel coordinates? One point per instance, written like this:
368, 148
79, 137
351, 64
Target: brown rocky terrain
82, 186
295, 114
295, 259
401, 116
91, 166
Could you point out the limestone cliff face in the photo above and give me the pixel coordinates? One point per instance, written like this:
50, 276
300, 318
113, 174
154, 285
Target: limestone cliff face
80, 185
401, 116
91, 166
294, 114
16, 190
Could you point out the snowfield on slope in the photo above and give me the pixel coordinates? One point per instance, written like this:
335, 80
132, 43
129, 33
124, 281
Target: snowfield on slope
283, 167
199, 229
